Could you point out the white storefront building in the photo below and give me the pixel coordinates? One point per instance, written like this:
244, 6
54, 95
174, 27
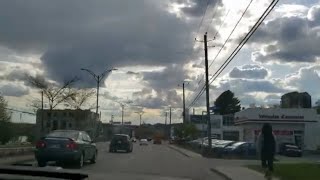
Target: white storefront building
222, 127
299, 126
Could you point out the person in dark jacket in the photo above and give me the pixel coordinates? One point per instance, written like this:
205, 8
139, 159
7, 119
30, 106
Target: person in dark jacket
267, 147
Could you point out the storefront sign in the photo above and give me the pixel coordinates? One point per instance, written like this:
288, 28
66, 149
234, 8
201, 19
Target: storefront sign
283, 116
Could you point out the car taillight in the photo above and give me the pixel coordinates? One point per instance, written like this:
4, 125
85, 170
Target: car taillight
71, 145
40, 144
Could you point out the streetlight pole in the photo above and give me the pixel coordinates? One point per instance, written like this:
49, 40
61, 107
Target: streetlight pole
98, 79
184, 102
140, 114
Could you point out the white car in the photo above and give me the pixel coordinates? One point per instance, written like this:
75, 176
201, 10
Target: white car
143, 142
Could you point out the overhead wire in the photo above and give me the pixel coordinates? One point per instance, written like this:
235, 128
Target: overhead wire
218, 30
226, 41
201, 91
238, 48
211, 19
203, 15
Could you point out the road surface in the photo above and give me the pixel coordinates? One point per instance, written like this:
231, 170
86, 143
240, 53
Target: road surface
147, 162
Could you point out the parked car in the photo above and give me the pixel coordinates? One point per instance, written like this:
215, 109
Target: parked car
219, 146
66, 146
120, 142
133, 139
291, 150
241, 150
143, 142
157, 141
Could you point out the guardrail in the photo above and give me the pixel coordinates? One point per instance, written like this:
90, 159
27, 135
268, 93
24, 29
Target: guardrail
5, 152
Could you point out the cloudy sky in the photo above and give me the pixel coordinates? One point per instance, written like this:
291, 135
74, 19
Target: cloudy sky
152, 44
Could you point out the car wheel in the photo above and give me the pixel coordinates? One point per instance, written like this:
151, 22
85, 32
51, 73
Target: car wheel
42, 163
80, 161
94, 158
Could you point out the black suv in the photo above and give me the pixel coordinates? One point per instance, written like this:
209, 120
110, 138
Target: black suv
120, 142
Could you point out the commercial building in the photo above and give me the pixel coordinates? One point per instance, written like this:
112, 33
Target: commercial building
222, 127
296, 100
295, 125
49, 120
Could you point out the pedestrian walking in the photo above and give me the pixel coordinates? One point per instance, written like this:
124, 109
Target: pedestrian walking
267, 148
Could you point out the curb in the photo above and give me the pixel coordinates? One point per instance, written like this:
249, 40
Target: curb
178, 150
220, 174
16, 159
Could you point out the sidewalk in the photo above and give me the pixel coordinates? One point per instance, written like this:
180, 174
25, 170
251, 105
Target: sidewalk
14, 159
239, 173
184, 152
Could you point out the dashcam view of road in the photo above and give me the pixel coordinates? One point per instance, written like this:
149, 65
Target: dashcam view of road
160, 89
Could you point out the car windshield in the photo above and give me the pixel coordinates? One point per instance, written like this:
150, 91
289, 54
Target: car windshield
236, 144
119, 137
66, 134
292, 147
148, 83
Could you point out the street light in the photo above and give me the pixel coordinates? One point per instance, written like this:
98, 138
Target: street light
140, 114
98, 79
122, 107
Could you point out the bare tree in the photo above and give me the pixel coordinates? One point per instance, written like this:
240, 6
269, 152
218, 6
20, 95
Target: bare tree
55, 93
80, 97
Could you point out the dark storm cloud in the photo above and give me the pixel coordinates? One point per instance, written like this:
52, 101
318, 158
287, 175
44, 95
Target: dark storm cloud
16, 90
132, 73
249, 71
290, 39
170, 77
96, 34
197, 7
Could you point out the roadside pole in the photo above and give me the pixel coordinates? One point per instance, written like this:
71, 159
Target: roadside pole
207, 90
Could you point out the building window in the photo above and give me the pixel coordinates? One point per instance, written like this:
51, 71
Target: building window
228, 121
64, 124
70, 125
55, 114
70, 114
49, 114
48, 123
64, 114
54, 125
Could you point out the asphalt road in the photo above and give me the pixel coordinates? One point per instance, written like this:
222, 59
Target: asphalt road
147, 162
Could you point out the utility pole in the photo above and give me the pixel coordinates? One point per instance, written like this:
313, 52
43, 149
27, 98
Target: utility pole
98, 79
122, 106
207, 89
41, 112
184, 105
170, 122
165, 121
140, 114
170, 115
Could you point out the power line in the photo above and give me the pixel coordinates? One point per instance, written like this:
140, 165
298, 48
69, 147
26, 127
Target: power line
213, 14
244, 40
238, 48
222, 23
226, 41
201, 21
201, 91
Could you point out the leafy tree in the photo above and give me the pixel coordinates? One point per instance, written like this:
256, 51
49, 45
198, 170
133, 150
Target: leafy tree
5, 126
226, 103
186, 130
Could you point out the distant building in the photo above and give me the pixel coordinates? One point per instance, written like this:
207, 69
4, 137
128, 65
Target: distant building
84, 120
296, 100
222, 126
